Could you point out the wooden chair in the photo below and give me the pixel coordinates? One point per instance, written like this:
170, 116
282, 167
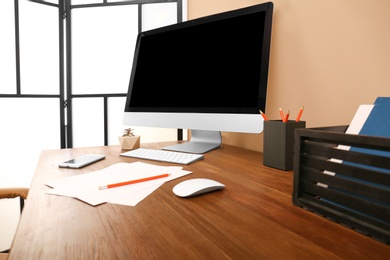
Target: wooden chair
10, 193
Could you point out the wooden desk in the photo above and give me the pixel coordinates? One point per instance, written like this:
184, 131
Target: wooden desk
253, 218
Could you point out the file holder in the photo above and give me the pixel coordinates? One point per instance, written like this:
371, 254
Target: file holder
357, 193
278, 145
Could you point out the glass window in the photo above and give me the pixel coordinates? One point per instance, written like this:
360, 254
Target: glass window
158, 15
116, 107
29, 125
39, 50
7, 48
103, 40
88, 122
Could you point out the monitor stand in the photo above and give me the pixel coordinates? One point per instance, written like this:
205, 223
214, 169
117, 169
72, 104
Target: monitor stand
201, 142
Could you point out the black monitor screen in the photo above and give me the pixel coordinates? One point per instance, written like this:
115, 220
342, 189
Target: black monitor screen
216, 64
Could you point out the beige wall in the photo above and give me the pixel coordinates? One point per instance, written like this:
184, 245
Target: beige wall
327, 55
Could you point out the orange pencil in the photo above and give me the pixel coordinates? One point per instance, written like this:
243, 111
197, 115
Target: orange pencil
109, 186
287, 116
299, 115
281, 114
263, 115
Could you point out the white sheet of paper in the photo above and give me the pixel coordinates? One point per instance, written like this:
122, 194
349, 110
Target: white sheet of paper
85, 186
135, 198
359, 119
354, 127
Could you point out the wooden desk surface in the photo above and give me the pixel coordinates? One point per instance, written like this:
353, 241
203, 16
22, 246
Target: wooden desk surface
252, 218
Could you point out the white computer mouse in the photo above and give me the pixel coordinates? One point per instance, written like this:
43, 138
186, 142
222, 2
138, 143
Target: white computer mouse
196, 186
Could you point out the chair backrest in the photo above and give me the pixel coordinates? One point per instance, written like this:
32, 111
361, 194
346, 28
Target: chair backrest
10, 193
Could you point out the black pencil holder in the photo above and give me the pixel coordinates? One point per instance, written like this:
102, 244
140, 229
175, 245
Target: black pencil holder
278, 145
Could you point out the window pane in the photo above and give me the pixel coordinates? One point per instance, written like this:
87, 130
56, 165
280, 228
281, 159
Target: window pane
88, 122
116, 107
52, 1
39, 48
79, 2
7, 48
158, 15
103, 46
28, 126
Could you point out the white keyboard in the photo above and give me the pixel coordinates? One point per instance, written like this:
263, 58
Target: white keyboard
163, 156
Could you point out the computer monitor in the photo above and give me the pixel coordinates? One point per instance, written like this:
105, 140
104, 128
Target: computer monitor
207, 75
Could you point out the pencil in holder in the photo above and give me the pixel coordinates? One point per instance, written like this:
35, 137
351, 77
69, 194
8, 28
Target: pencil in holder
278, 145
